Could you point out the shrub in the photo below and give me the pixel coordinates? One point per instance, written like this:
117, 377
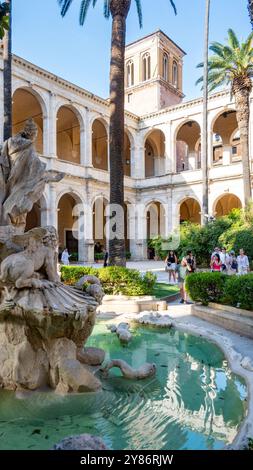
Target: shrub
239, 291
202, 239
238, 237
74, 257
114, 279
71, 274
206, 287
119, 280
157, 244
99, 256
236, 291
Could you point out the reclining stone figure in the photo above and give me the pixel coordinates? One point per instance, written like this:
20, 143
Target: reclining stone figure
36, 264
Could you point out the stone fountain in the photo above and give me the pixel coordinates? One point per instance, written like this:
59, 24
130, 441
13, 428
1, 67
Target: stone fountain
43, 323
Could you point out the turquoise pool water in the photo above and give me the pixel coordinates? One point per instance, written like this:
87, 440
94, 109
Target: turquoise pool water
194, 402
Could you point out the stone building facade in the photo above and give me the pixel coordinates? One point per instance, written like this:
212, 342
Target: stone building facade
162, 158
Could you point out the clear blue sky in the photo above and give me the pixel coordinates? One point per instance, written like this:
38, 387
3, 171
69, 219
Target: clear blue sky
81, 54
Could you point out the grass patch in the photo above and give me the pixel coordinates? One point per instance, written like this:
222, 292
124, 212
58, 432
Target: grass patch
164, 290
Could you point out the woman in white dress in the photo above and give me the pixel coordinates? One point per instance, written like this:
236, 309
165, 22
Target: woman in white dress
65, 257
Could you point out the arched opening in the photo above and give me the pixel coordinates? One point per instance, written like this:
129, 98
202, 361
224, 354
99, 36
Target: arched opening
225, 130
165, 67
146, 67
175, 74
68, 135
99, 225
26, 105
155, 154
129, 73
155, 219
68, 225
190, 211
99, 145
226, 204
127, 155
188, 149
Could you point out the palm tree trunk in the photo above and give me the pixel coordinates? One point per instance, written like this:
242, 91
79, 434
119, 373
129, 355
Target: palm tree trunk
204, 146
242, 94
7, 76
119, 10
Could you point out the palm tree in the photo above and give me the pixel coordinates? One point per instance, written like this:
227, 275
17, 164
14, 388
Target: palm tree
119, 10
7, 73
232, 64
250, 9
4, 20
204, 144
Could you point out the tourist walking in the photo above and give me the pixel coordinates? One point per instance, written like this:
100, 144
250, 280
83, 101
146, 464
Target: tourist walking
171, 264
65, 257
224, 257
181, 280
243, 263
233, 265
188, 266
106, 256
216, 264
191, 263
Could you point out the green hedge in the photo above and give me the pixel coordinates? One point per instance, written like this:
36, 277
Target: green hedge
236, 291
206, 287
115, 280
239, 291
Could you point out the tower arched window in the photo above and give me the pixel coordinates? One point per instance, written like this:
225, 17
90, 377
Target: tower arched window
146, 65
130, 73
175, 74
165, 66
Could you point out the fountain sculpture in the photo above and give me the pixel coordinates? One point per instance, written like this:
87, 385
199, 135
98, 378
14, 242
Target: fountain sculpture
43, 323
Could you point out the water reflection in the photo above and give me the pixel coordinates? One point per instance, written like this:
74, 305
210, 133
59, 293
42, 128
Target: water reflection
194, 402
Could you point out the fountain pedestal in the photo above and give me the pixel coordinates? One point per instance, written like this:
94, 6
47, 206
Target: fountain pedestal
41, 331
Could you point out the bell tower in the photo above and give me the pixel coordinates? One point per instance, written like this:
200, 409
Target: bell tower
153, 77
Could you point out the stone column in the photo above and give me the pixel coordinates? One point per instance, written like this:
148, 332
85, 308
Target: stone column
86, 140
88, 227
52, 213
50, 128
159, 166
169, 149
192, 157
131, 229
138, 159
141, 232
226, 154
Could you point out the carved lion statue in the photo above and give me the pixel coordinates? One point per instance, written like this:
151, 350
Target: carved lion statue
37, 262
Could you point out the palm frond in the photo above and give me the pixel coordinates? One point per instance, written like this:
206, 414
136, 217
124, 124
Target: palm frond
106, 9
84, 10
173, 6
247, 45
200, 65
217, 48
200, 80
139, 11
64, 4
233, 40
